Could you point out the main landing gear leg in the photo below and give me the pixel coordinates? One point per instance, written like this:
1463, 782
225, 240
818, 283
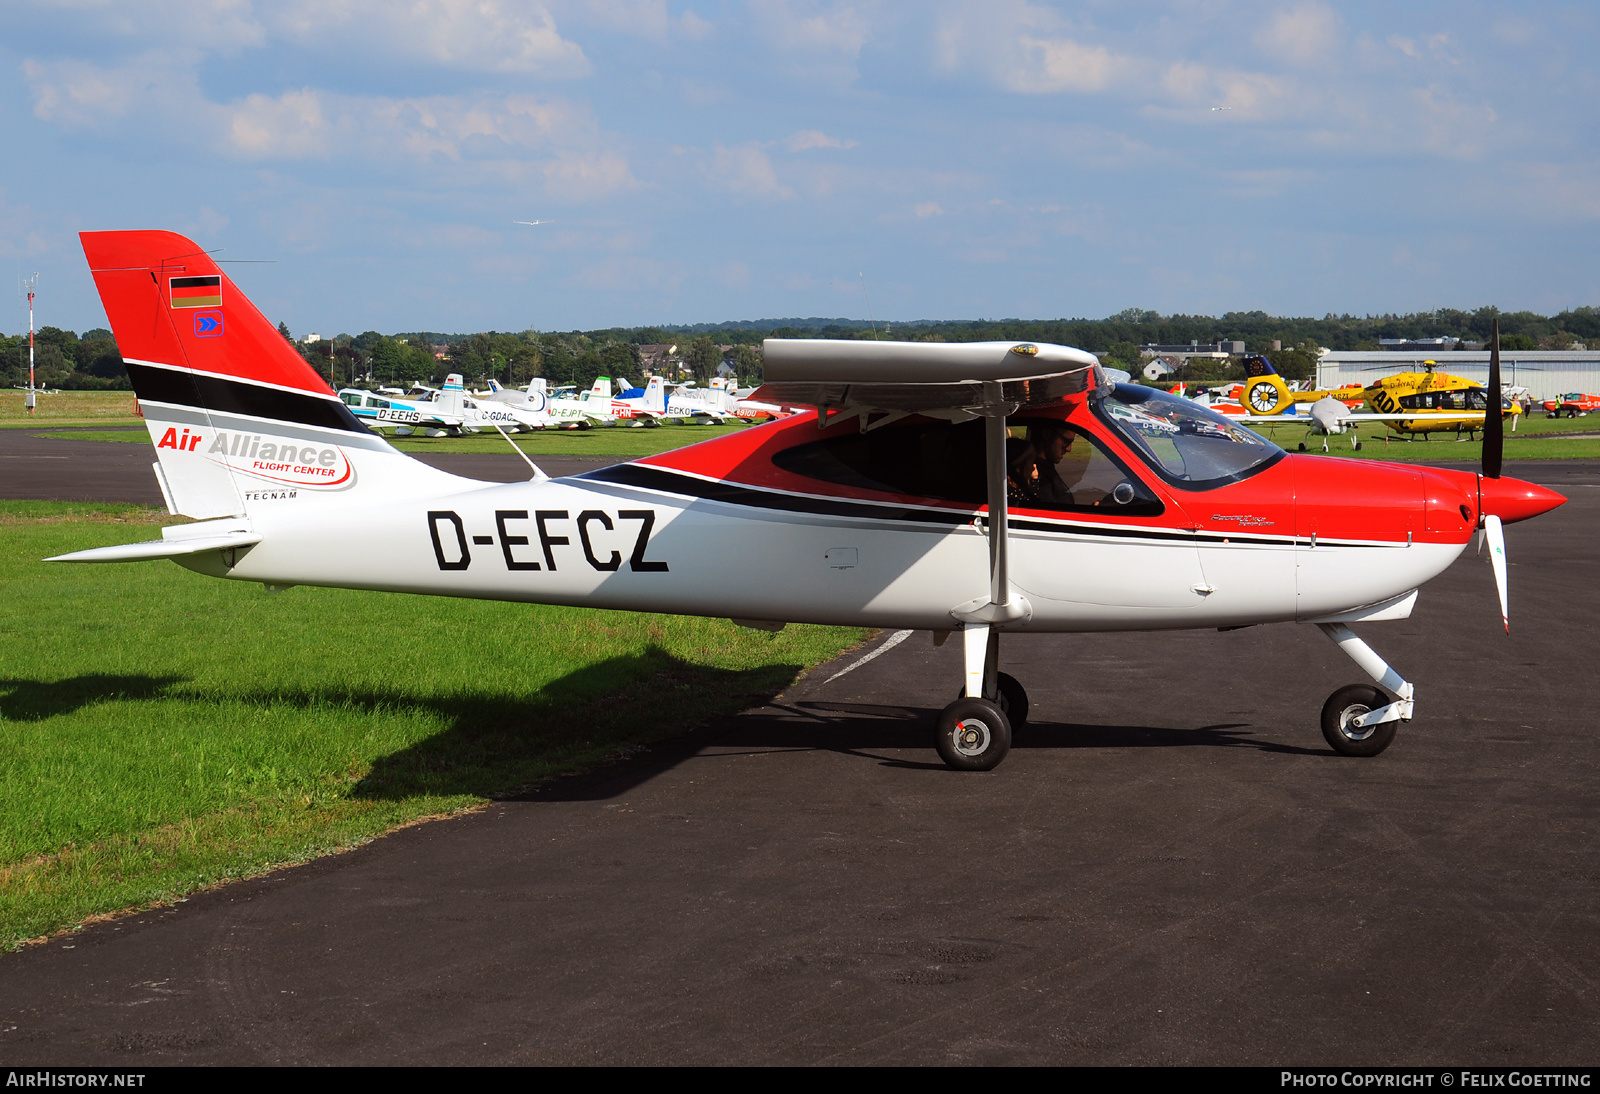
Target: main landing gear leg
973, 733
1360, 720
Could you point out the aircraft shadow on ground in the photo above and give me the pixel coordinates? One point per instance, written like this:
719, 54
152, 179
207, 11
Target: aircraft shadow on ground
36, 700
873, 726
496, 742
867, 730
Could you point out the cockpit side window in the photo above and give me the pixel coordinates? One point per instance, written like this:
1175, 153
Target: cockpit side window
944, 462
1188, 445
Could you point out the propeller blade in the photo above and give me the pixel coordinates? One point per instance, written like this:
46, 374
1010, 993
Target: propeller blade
1494, 427
1496, 536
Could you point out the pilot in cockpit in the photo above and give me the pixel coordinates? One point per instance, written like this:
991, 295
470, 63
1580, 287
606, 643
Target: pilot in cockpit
1034, 473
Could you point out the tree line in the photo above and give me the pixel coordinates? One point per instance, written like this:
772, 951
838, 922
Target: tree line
63, 359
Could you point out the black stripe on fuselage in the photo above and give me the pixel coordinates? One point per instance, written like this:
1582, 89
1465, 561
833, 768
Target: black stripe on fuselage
671, 482
206, 392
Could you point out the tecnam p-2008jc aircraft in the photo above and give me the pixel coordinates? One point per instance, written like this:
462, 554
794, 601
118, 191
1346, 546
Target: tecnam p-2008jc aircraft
980, 488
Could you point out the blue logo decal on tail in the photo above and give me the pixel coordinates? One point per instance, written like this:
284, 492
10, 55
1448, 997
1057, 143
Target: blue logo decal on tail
208, 324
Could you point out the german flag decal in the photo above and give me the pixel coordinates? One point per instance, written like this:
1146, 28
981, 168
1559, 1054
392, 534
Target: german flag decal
196, 292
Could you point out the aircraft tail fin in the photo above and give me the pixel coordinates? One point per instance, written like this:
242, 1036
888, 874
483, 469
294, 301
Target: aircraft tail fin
1257, 365
236, 415
494, 386
655, 395
451, 396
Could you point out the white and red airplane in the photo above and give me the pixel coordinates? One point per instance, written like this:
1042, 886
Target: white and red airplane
905, 499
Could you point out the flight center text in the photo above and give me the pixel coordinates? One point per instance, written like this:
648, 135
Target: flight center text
529, 541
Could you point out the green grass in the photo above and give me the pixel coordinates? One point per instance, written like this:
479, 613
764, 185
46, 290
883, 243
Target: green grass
1540, 439
68, 406
164, 731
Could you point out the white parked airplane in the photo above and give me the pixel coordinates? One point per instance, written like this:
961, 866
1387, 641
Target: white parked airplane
905, 500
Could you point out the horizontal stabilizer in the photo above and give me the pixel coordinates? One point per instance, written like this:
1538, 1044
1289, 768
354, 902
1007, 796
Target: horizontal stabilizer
177, 541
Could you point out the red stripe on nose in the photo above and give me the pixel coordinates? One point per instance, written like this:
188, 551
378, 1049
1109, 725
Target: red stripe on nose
1513, 499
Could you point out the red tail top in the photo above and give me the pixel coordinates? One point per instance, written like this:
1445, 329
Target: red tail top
170, 304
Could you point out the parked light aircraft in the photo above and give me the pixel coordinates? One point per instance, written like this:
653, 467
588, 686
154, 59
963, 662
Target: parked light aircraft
904, 499
403, 416
478, 415
673, 404
564, 413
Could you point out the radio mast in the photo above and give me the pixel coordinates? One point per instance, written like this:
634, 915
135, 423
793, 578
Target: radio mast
32, 284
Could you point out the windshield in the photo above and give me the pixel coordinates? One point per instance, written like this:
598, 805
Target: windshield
1185, 443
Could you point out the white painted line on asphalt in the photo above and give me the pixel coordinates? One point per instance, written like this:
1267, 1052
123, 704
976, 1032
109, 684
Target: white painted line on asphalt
894, 640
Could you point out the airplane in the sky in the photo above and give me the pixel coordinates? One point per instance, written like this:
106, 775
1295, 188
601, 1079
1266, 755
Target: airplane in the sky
982, 489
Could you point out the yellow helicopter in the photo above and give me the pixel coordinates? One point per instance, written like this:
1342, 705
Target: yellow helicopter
1443, 403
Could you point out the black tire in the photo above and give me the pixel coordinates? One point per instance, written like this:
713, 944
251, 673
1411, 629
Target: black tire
972, 735
1352, 702
1358, 446
1013, 700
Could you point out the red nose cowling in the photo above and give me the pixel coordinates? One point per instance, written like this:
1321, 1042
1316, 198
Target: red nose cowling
1513, 500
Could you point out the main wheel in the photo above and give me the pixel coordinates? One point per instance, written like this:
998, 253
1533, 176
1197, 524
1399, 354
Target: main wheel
1348, 704
972, 735
1013, 700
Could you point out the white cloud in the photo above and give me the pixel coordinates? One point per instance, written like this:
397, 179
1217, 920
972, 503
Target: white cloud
927, 209
473, 35
558, 139
1025, 48
1200, 87
22, 231
807, 139
289, 127
805, 24
576, 176
482, 35
746, 171
217, 26
1305, 33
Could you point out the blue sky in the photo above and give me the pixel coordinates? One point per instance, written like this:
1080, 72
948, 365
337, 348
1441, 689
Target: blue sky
707, 161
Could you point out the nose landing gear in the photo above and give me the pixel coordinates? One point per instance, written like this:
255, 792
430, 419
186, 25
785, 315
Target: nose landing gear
1360, 720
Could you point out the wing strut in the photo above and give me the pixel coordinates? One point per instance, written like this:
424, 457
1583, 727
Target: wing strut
994, 435
1003, 604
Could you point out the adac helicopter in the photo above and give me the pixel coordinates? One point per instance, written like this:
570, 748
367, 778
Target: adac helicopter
1410, 403
978, 489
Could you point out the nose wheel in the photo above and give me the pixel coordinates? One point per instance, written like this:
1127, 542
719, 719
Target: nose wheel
1344, 726
1360, 720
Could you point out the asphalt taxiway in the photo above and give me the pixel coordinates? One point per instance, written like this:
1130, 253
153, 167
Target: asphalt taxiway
1170, 868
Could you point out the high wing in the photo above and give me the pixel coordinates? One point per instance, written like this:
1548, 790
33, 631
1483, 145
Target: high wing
959, 381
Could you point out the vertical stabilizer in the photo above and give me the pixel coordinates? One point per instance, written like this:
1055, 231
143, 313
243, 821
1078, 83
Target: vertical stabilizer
655, 395
238, 418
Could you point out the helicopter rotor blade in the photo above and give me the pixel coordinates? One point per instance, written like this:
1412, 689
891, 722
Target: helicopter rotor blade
1494, 427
